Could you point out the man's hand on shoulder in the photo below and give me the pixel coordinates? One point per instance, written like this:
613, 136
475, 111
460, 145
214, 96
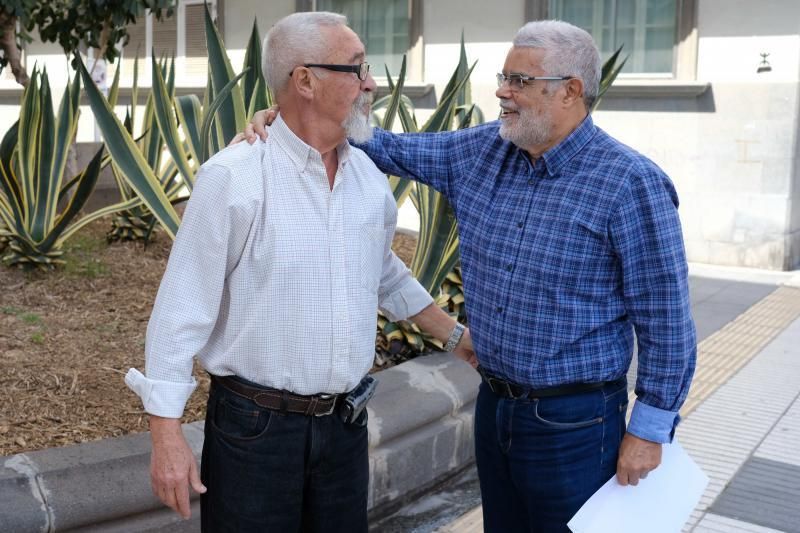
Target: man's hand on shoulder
637, 457
257, 127
172, 465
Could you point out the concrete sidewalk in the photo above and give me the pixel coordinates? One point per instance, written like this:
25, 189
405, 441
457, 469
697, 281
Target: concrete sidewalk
741, 419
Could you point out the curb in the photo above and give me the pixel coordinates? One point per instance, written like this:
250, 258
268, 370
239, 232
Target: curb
420, 431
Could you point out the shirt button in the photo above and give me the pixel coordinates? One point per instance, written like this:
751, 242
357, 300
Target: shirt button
498, 309
520, 224
509, 267
531, 181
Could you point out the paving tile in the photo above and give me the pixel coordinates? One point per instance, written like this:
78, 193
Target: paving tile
763, 492
783, 442
712, 523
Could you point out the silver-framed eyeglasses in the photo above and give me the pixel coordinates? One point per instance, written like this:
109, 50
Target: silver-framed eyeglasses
360, 70
517, 81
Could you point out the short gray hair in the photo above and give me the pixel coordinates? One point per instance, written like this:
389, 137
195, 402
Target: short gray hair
569, 51
293, 41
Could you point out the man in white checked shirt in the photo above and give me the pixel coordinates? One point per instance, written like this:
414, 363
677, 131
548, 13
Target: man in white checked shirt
281, 262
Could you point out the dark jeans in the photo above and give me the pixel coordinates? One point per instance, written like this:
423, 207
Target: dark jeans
268, 471
540, 460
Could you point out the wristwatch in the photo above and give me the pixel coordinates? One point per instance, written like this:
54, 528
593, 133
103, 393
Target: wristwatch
455, 336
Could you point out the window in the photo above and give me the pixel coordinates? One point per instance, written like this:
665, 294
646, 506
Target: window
181, 36
383, 25
646, 28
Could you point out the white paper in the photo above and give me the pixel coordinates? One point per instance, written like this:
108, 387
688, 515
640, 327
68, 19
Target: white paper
660, 503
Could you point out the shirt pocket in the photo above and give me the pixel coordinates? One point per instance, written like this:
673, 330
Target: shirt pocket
372, 239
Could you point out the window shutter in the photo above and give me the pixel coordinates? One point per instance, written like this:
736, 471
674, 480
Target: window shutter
165, 37
196, 65
137, 45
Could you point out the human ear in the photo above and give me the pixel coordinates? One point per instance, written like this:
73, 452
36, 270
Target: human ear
573, 91
303, 82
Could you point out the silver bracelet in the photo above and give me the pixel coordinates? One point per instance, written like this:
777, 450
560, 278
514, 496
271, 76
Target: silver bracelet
455, 336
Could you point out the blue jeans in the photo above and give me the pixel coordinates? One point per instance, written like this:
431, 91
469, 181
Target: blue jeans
539, 460
268, 471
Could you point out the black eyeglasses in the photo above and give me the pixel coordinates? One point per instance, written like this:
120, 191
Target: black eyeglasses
359, 70
517, 81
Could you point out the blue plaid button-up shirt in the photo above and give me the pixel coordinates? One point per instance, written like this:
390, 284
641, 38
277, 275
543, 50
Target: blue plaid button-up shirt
563, 258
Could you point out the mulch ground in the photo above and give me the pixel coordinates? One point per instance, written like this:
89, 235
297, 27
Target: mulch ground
68, 337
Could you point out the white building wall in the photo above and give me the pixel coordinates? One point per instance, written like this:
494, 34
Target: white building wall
731, 152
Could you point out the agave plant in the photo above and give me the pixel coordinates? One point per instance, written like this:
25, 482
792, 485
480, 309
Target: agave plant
436, 260
139, 223
128, 158
191, 130
228, 101
33, 156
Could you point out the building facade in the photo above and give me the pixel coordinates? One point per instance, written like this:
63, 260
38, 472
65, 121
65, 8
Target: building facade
710, 90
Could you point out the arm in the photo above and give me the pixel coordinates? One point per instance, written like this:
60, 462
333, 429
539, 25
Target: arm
440, 325
423, 157
400, 296
646, 234
204, 252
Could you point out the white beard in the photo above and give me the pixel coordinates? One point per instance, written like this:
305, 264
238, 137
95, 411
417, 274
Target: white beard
356, 125
530, 128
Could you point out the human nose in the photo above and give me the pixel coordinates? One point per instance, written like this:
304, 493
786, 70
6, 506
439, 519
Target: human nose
369, 84
504, 91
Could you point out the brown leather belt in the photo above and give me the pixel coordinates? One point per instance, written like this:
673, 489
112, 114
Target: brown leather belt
280, 400
507, 389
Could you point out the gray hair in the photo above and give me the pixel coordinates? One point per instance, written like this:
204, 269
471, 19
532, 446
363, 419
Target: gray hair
569, 51
295, 40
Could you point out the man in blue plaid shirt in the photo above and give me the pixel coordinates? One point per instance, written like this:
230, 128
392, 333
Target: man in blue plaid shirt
570, 242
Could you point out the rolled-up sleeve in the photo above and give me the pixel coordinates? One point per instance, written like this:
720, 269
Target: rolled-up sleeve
187, 305
647, 237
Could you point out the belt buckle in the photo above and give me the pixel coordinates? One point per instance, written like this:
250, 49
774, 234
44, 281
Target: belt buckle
499, 387
504, 388
333, 404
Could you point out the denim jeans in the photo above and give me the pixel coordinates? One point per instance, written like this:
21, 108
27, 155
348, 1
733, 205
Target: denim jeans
539, 460
268, 471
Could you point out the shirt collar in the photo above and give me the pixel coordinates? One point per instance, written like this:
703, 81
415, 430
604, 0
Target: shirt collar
301, 154
558, 156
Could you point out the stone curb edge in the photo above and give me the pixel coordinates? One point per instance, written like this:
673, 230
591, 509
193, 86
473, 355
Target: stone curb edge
420, 431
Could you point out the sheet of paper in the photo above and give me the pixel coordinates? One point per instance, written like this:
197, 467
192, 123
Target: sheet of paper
660, 503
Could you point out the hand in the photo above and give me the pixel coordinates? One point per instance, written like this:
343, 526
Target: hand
172, 465
637, 457
257, 127
465, 351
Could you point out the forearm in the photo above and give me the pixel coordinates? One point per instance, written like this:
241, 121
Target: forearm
162, 427
435, 322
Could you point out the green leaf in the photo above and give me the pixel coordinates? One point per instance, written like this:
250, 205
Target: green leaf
129, 159
254, 82
190, 115
442, 117
231, 119
211, 115
168, 127
84, 189
43, 148
397, 91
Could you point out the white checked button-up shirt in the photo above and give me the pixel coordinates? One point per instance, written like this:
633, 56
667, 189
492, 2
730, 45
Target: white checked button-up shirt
275, 277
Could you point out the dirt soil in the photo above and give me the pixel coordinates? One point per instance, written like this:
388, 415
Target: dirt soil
68, 337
